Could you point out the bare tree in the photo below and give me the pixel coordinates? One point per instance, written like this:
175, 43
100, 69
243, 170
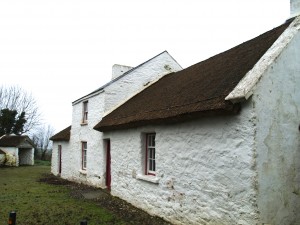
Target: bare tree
16, 98
41, 139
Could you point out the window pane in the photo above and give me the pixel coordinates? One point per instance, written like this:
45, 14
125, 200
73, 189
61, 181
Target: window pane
150, 148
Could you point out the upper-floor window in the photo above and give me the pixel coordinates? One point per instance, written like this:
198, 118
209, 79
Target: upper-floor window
150, 154
85, 112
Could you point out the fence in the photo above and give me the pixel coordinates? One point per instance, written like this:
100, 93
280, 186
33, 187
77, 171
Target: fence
13, 218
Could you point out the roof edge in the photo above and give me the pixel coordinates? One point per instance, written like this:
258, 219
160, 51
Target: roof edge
233, 109
245, 87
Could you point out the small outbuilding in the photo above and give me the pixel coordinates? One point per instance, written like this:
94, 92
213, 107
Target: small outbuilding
16, 150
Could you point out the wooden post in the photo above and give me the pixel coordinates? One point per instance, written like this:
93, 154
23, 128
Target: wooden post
12, 218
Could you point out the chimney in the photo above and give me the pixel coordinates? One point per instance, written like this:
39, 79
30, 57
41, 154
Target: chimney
118, 70
294, 8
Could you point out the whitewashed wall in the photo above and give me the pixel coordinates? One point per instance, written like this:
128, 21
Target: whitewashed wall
277, 101
94, 173
65, 159
135, 81
205, 168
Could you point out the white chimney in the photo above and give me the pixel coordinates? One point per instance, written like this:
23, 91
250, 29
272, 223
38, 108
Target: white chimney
118, 70
294, 8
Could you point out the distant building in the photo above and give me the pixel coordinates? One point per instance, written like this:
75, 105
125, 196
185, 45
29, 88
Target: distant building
16, 150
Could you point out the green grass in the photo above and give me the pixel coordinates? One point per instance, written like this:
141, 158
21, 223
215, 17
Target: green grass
42, 204
42, 163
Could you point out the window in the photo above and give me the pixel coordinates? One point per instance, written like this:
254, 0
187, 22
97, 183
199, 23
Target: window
85, 112
150, 154
59, 159
84, 154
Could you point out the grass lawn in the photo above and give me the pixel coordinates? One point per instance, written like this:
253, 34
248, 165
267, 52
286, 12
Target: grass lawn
39, 203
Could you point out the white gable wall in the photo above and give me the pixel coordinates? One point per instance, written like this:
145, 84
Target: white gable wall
205, 168
277, 104
135, 81
85, 132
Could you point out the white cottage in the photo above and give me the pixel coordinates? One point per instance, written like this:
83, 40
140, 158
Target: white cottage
218, 142
78, 151
16, 150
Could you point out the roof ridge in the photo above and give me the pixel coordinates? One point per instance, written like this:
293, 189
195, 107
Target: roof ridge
119, 77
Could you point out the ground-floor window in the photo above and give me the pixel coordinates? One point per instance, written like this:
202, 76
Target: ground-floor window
84, 154
150, 154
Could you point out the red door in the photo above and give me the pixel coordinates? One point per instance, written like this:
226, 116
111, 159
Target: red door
59, 159
108, 171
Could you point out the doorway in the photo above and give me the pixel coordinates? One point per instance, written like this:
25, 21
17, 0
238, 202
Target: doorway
108, 169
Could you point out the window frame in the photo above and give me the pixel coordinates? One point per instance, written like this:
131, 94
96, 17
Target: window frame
83, 155
59, 151
150, 161
85, 111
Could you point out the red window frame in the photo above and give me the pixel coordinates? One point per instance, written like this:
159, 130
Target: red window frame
84, 155
85, 112
150, 167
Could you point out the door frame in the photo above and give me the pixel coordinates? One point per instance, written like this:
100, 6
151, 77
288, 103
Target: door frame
108, 164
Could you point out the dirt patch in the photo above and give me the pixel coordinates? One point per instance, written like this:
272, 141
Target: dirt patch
117, 206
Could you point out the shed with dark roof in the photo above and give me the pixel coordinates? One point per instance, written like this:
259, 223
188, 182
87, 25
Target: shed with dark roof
19, 150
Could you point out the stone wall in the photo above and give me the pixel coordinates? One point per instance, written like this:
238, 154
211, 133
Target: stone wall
205, 170
277, 105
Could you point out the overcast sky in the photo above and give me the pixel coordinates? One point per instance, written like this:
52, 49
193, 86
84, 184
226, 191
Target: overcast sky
60, 50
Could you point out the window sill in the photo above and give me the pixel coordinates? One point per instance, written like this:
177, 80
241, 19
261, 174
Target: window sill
84, 123
149, 178
83, 172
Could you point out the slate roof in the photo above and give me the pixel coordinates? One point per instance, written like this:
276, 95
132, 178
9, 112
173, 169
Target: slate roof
195, 91
119, 77
63, 135
14, 140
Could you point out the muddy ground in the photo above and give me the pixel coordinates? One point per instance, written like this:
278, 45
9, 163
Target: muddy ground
120, 208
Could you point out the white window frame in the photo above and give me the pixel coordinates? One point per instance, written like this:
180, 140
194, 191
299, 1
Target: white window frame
150, 161
85, 111
84, 155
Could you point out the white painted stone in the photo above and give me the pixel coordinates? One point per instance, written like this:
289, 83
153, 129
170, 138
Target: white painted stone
118, 70
205, 170
277, 106
294, 8
135, 81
